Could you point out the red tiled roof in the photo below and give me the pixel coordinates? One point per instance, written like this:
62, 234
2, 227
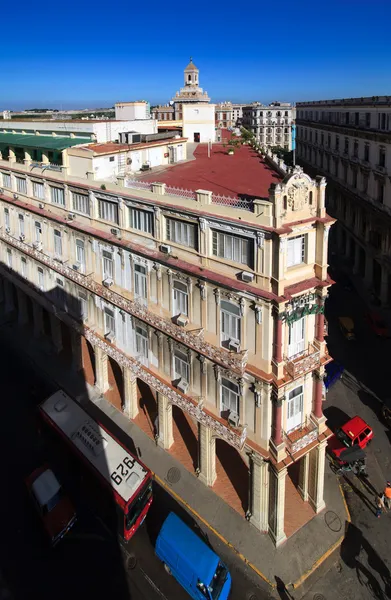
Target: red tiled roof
110, 147
243, 174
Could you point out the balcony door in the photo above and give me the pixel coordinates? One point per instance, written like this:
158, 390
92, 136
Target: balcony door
296, 338
294, 408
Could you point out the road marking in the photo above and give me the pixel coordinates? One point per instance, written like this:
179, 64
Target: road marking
152, 584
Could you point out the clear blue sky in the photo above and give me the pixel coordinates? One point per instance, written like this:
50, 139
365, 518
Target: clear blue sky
78, 54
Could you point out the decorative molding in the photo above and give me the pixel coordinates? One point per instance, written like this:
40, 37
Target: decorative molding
283, 241
158, 269
217, 294
203, 223
202, 360
202, 286
260, 239
258, 314
242, 306
231, 229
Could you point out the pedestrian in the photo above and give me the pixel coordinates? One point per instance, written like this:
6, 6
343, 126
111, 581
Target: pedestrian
379, 505
387, 494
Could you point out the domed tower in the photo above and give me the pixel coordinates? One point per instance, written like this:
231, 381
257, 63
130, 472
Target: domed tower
191, 74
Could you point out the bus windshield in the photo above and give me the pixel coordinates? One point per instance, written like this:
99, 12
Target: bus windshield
136, 508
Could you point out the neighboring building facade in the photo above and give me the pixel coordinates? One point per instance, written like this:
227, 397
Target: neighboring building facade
185, 303
191, 92
163, 113
237, 114
271, 125
224, 115
133, 111
349, 141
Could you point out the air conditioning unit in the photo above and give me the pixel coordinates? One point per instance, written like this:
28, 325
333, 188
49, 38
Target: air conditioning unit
247, 277
114, 231
182, 320
16, 196
7, 229
22, 237
183, 386
234, 345
233, 419
76, 266
37, 245
165, 248
71, 216
108, 282
41, 206
110, 337
1, 190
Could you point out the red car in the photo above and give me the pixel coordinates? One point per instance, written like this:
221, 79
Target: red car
54, 507
355, 432
378, 324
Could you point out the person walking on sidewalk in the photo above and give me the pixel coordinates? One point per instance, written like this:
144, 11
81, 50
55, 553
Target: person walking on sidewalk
387, 494
379, 505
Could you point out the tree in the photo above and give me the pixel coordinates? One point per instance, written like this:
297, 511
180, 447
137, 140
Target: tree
247, 136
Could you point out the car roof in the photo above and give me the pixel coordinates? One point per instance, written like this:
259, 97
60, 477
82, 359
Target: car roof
192, 549
355, 425
45, 486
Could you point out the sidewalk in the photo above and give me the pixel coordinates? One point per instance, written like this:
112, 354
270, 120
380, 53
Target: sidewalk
293, 562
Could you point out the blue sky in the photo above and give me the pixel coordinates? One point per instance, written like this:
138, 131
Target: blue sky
79, 54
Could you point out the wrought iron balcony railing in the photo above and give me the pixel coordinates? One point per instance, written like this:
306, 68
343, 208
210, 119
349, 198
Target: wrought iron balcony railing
301, 437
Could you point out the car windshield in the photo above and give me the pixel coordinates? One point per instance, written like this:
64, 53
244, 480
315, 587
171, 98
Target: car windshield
343, 437
54, 500
218, 581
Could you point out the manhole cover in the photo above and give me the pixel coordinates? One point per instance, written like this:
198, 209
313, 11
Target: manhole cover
131, 562
319, 597
173, 475
333, 521
252, 597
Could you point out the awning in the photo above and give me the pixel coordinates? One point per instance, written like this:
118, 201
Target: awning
45, 142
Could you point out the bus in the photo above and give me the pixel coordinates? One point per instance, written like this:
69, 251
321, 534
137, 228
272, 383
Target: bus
128, 481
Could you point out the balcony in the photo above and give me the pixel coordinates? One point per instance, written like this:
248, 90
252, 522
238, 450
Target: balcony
303, 362
195, 340
301, 437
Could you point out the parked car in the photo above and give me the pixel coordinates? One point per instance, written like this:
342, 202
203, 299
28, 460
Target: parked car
355, 432
193, 564
52, 504
333, 371
346, 325
377, 324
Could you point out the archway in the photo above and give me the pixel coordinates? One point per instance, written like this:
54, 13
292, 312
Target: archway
148, 412
115, 393
298, 511
88, 361
185, 432
233, 480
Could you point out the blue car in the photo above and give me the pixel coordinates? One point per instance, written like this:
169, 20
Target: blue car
193, 564
334, 371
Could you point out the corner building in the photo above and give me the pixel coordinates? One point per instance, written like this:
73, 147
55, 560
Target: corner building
202, 322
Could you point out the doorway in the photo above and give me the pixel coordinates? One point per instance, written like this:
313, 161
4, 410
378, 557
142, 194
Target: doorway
197, 136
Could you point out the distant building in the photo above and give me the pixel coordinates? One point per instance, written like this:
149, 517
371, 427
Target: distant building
6, 114
223, 113
191, 92
272, 124
163, 113
132, 111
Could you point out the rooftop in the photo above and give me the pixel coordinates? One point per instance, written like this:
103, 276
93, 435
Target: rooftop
243, 174
50, 142
112, 147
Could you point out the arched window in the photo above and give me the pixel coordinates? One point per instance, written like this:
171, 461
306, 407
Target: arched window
189, 78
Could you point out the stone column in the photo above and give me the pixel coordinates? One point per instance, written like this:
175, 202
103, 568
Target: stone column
22, 307
303, 476
165, 437
318, 395
130, 393
277, 420
277, 351
77, 354
277, 505
101, 370
38, 319
316, 477
207, 454
259, 492
55, 329
320, 325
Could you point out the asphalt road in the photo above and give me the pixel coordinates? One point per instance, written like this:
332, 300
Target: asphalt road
89, 562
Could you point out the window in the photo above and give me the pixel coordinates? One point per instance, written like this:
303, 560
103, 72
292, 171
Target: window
365, 181
6, 180
181, 232
9, 257
181, 299
181, 366
355, 148
41, 279
21, 185
141, 220
109, 321
57, 196
140, 282
60, 293
347, 118
108, 211
367, 119
111, 158
230, 322
382, 157
38, 231
380, 191
296, 337
356, 118
108, 265
57, 243
141, 343
232, 248
81, 203
23, 266
38, 190
83, 305
81, 255
7, 218
229, 397
21, 226
337, 143
366, 152
296, 250
294, 408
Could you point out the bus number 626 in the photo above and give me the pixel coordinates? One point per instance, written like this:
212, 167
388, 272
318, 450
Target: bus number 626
121, 471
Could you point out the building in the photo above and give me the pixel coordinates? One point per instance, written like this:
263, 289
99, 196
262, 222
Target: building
163, 113
237, 114
206, 308
191, 92
224, 115
271, 125
349, 141
133, 111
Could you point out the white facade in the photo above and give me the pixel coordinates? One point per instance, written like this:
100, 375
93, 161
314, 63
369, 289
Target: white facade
271, 125
131, 111
199, 122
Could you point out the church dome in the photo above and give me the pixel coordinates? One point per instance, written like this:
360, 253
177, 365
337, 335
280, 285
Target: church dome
191, 66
